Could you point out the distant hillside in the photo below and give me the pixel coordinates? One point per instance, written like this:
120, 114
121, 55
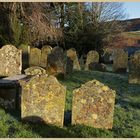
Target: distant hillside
132, 24
132, 34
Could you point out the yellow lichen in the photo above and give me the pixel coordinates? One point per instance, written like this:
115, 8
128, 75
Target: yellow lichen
110, 101
92, 100
83, 101
94, 116
97, 83
105, 88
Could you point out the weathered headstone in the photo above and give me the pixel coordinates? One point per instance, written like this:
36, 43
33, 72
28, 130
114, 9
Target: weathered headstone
97, 66
10, 60
92, 57
56, 62
107, 56
69, 65
120, 60
134, 69
73, 55
9, 92
45, 50
35, 70
93, 105
43, 99
35, 56
25, 55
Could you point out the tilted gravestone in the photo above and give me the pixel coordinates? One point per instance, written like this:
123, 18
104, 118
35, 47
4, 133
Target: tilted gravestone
10, 60
35, 56
25, 55
134, 69
71, 53
120, 60
35, 70
56, 62
93, 105
92, 57
43, 99
45, 50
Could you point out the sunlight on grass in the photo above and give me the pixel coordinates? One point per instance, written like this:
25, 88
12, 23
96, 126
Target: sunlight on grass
126, 114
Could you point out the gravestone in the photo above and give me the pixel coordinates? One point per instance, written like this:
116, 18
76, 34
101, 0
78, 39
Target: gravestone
92, 57
97, 66
10, 92
69, 65
35, 56
134, 68
45, 50
120, 60
71, 53
43, 99
93, 105
25, 55
35, 70
10, 60
107, 56
56, 62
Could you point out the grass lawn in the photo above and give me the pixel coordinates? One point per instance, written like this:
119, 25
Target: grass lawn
126, 115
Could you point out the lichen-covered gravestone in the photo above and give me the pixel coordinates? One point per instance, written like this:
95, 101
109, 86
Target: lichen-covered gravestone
43, 100
120, 60
92, 57
10, 60
35, 56
134, 69
25, 55
93, 105
71, 53
45, 50
56, 62
35, 70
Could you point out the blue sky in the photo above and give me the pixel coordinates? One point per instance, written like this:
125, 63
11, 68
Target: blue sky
132, 9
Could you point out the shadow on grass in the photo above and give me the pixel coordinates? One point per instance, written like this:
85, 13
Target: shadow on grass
117, 82
46, 130
72, 131
41, 129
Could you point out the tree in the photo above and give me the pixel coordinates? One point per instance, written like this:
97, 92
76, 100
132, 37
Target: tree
84, 26
28, 22
99, 27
